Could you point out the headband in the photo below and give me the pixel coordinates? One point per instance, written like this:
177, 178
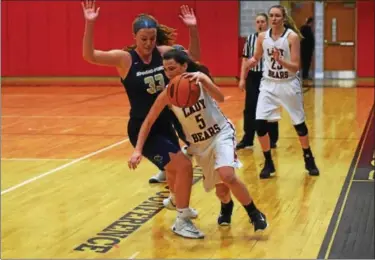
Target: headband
144, 22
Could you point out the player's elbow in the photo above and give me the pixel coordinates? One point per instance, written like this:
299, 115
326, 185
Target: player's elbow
197, 56
258, 56
88, 57
295, 68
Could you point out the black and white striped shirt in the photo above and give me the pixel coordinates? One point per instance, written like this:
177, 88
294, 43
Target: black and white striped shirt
249, 49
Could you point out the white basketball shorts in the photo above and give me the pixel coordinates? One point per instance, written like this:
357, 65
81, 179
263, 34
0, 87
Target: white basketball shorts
220, 152
286, 93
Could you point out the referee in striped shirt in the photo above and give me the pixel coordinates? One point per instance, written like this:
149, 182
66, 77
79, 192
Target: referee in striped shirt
251, 82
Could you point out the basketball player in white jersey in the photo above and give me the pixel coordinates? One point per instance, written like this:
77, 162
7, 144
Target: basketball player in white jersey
212, 142
280, 47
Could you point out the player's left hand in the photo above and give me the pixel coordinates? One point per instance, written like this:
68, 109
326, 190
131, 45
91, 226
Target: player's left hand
187, 16
276, 54
194, 76
134, 160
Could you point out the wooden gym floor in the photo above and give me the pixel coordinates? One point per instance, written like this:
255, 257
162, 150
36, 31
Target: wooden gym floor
66, 191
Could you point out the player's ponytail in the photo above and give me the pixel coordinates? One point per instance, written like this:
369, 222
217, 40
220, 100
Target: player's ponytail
289, 23
164, 35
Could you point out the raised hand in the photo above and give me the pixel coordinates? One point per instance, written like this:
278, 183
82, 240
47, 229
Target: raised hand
187, 16
89, 11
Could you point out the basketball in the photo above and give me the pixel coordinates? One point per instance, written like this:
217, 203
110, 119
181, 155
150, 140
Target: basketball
182, 92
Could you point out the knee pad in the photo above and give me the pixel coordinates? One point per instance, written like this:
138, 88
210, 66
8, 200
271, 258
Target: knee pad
301, 129
261, 127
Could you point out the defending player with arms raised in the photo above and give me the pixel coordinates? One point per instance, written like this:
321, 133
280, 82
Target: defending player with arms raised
140, 68
280, 47
212, 143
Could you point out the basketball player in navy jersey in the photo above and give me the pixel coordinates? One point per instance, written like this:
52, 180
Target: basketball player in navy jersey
280, 48
141, 71
212, 142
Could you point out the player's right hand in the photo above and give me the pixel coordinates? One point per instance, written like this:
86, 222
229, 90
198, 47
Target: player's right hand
89, 12
134, 160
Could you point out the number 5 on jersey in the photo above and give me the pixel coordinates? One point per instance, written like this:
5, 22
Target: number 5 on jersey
200, 121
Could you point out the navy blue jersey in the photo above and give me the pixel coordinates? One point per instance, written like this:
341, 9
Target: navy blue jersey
144, 83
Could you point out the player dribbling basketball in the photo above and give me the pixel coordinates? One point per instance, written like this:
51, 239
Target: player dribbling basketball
212, 141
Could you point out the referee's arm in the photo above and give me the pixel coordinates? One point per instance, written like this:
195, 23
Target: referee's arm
245, 56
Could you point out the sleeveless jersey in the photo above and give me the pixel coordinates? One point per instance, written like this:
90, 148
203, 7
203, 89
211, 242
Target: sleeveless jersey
144, 83
202, 121
272, 69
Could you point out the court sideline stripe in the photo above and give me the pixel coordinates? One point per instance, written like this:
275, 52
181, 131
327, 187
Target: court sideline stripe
63, 117
62, 167
37, 159
133, 256
327, 244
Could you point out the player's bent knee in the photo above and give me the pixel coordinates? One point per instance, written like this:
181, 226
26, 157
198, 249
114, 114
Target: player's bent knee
261, 127
227, 174
179, 162
301, 129
222, 190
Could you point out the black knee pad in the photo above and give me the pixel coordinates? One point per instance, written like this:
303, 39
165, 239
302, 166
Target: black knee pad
261, 127
301, 129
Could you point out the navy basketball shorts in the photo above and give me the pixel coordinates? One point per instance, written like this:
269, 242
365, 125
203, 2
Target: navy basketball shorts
161, 141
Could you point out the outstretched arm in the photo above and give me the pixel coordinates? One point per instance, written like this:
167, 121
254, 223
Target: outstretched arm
188, 17
115, 58
157, 107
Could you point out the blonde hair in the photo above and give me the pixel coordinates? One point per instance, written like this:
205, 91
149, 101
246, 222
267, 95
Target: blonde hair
164, 35
264, 15
288, 20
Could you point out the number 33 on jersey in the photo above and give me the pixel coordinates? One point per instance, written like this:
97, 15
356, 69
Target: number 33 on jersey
155, 83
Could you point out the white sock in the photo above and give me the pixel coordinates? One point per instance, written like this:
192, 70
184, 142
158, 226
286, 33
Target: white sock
183, 213
173, 197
